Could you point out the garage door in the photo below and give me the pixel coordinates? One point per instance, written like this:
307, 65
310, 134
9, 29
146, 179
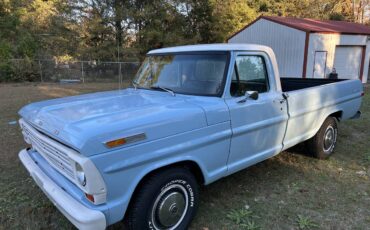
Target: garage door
347, 61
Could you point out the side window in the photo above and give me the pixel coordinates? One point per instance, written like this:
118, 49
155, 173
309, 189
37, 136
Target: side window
249, 75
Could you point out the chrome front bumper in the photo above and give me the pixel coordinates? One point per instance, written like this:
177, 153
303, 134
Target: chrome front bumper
81, 216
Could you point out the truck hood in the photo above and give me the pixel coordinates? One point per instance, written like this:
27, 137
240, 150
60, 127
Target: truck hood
86, 122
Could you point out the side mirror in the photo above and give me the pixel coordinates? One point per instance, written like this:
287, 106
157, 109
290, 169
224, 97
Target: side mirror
252, 94
249, 94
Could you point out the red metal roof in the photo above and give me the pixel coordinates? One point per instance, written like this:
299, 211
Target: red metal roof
313, 25
317, 26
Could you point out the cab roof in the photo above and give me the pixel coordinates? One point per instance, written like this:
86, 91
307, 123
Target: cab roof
212, 47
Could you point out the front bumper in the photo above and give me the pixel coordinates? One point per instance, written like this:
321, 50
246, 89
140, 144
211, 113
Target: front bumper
81, 216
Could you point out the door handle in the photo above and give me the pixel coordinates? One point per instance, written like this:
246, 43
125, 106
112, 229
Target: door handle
284, 99
279, 101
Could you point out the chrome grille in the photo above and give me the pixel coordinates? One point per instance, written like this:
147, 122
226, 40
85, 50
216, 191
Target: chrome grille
54, 155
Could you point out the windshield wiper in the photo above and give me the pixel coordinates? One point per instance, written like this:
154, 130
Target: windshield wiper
164, 89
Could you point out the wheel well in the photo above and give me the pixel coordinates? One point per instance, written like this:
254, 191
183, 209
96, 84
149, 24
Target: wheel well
191, 165
337, 115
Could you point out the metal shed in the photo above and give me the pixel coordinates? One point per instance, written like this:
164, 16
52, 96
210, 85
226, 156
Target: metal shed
312, 48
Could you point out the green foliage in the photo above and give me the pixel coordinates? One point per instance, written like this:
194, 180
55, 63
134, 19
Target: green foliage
27, 46
367, 158
336, 16
5, 55
305, 222
230, 16
19, 70
25, 70
125, 30
250, 225
243, 218
239, 216
5, 50
160, 25
5, 71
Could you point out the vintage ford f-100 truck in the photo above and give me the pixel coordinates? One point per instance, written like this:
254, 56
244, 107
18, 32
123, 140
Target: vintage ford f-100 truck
193, 115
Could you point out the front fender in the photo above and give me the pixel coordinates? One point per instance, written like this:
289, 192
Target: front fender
123, 169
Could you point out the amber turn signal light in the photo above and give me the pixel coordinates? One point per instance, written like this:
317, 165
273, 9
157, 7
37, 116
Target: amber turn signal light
90, 197
115, 143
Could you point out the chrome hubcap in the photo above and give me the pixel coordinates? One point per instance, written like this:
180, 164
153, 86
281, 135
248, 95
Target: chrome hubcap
329, 138
170, 207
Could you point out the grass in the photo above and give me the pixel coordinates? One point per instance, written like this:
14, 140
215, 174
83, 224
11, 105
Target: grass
305, 222
239, 216
289, 191
243, 218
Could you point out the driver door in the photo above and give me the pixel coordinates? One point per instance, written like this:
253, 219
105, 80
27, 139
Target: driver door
258, 126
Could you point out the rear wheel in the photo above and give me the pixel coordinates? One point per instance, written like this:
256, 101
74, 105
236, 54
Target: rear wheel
166, 200
323, 143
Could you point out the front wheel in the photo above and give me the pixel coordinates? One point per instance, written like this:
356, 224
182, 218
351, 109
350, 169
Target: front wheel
323, 143
166, 200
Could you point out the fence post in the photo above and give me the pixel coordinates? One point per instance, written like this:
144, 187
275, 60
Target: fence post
126, 77
82, 72
40, 71
119, 76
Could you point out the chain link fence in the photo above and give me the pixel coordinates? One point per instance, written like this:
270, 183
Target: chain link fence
73, 72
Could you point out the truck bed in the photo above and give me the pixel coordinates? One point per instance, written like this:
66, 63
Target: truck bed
291, 84
310, 101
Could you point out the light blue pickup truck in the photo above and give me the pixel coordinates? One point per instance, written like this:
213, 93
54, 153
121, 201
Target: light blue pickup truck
194, 114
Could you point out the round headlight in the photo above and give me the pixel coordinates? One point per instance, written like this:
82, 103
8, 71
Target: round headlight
80, 175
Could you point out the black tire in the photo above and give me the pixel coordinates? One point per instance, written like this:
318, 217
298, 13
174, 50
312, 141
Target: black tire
322, 145
169, 188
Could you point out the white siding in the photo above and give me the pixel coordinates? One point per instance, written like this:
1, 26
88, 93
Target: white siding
328, 42
347, 61
287, 43
367, 62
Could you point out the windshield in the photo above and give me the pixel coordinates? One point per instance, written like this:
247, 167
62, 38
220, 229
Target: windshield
196, 74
